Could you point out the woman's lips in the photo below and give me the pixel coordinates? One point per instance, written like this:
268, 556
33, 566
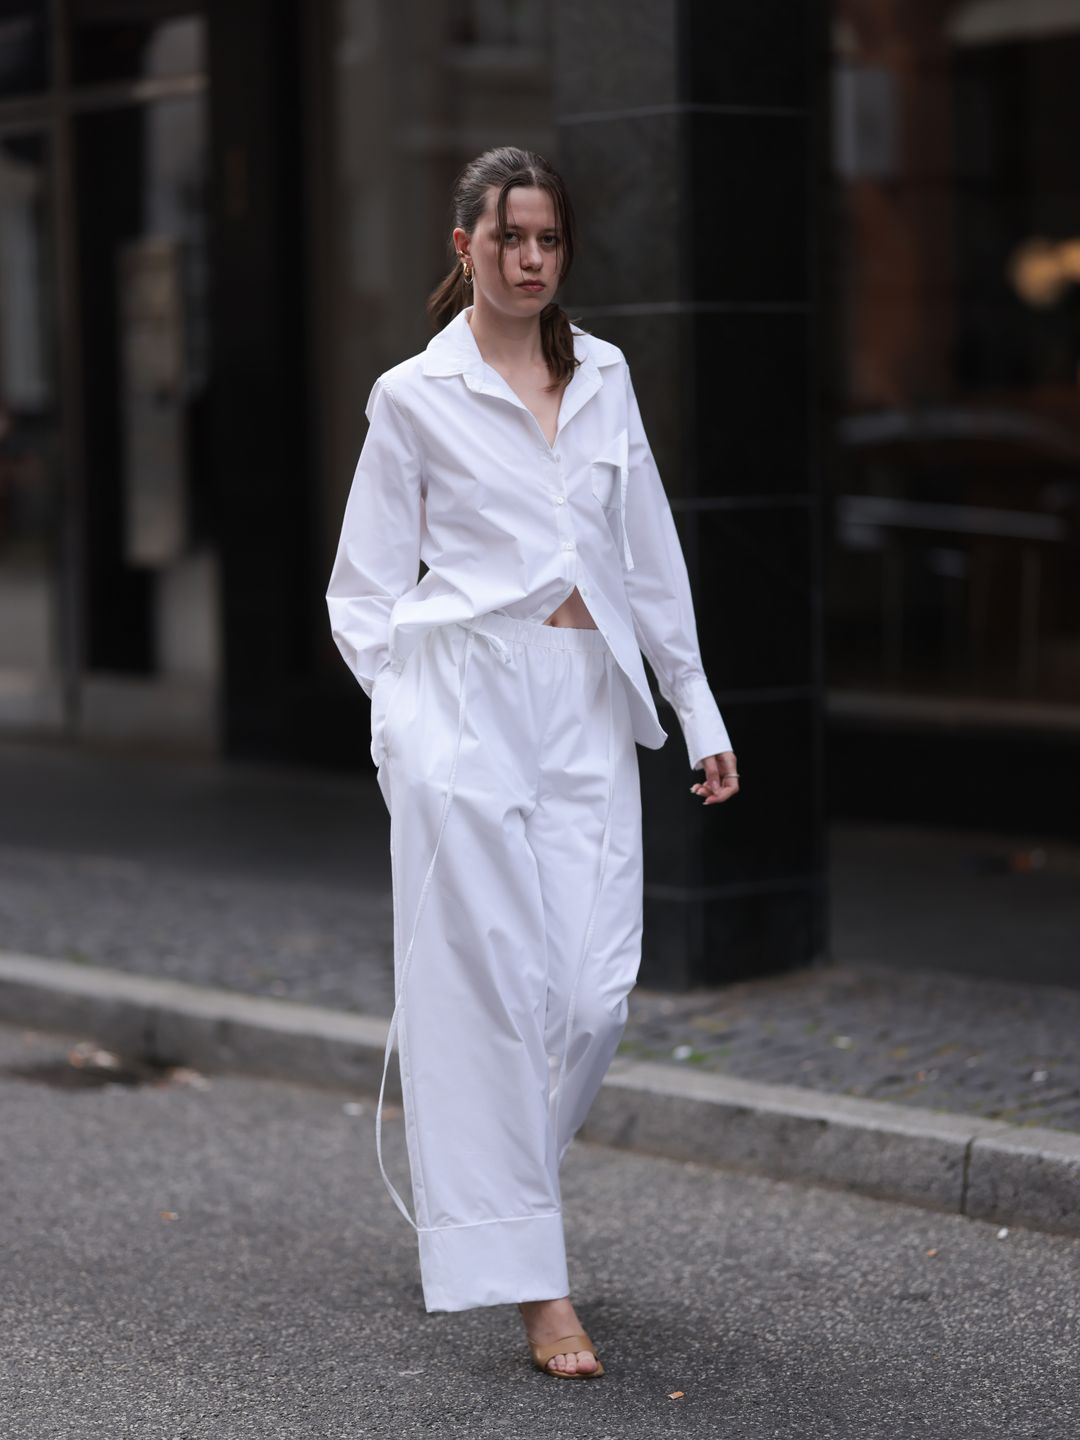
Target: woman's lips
530, 285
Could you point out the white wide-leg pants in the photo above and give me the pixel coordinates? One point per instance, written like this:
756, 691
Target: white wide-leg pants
511, 777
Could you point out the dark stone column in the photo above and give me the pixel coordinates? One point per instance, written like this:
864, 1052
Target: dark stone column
689, 137
261, 462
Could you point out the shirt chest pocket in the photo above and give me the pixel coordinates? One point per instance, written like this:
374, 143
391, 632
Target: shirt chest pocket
609, 474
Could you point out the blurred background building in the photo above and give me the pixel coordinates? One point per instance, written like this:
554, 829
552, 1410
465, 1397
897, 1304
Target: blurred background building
853, 230
953, 567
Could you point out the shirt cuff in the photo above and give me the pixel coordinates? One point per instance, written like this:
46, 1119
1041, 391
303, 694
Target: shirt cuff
702, 724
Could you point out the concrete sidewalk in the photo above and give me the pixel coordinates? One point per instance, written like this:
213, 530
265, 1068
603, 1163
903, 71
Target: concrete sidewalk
265, 899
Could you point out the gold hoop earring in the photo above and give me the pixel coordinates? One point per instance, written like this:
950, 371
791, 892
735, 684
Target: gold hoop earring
466, 273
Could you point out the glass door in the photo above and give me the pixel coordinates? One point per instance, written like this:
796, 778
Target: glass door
109, 613
149, 619
32, 632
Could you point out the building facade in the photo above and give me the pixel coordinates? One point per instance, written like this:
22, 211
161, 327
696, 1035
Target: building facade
850, 230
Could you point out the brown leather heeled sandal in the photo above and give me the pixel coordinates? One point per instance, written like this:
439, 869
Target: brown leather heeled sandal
567, 1345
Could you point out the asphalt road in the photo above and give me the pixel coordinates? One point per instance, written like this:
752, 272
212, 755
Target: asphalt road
221, 1260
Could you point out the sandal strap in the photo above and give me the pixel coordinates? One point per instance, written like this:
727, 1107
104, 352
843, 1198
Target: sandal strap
567, 1345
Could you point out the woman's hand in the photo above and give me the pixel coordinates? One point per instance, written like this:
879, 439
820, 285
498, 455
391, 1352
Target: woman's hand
721, 778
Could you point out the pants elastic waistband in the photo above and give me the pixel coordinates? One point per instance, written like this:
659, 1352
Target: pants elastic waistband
535, 632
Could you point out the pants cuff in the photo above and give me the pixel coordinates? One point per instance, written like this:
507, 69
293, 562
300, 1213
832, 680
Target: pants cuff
496, 1262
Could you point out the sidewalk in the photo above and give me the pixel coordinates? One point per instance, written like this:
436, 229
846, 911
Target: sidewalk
274, 885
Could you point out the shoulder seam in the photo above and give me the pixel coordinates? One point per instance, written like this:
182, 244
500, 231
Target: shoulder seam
407, 418
404, 415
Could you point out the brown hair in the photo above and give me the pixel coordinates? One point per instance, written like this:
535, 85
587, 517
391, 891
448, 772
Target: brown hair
507, 166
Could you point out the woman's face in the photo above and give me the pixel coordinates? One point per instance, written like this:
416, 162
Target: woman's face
530, 269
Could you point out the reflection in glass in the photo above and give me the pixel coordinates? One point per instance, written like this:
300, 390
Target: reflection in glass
955, 564
24, 47
151, 589
120, 43
29, 437
498, 23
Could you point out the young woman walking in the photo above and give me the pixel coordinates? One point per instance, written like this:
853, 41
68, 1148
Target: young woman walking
508, 695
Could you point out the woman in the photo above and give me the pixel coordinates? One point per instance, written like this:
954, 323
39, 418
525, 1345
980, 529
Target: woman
508, 692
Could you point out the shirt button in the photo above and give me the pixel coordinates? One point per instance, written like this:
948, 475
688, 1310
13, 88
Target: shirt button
558, 458
560, 499
567, 544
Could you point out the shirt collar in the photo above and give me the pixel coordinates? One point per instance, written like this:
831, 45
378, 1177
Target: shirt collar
454, 351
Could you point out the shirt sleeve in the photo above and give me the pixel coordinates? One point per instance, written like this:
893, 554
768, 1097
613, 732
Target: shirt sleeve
658, 588
378, 554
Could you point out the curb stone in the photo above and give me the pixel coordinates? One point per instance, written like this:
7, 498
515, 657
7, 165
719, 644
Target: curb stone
170, 1022
962, 1164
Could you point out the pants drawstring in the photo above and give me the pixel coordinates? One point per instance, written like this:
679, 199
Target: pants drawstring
604, 844
496, 642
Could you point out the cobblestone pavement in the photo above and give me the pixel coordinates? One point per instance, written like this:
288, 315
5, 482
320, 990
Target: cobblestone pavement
943, 1042
950, 1042
322, 945
276, 882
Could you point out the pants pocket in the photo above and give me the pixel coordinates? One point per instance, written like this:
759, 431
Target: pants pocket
382, 696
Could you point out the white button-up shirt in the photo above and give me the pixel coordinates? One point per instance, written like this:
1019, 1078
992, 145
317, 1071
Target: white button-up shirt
456, 471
